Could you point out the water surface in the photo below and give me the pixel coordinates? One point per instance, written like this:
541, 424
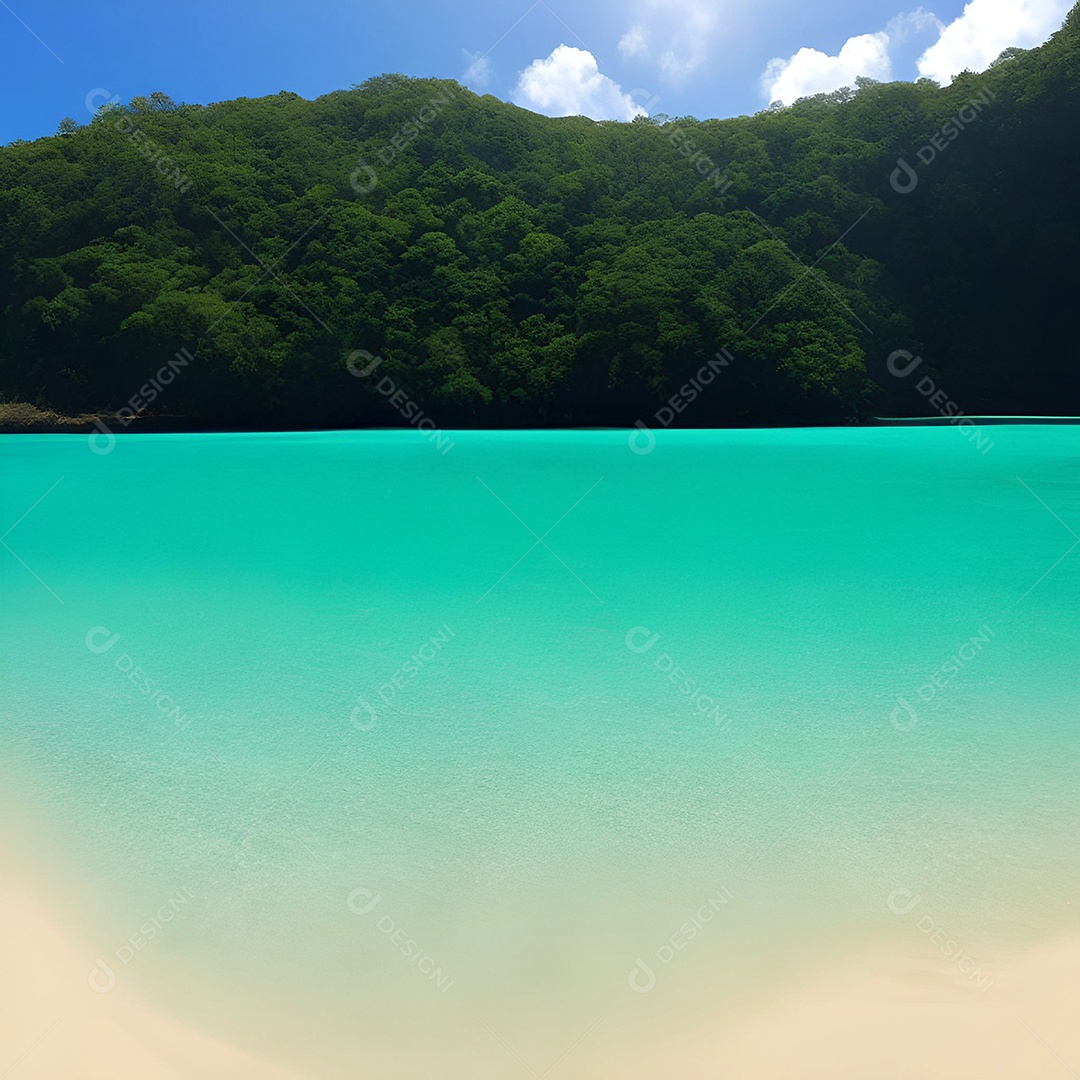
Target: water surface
415, 747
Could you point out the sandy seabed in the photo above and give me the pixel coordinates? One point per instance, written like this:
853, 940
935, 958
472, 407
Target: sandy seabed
891, 1016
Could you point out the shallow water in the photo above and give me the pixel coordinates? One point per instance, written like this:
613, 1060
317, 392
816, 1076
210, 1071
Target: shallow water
446, 753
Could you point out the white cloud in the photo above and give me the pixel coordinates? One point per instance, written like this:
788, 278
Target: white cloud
478, 73
811, 72
901, 27
986, 28
673, 34
634, 42
568, 83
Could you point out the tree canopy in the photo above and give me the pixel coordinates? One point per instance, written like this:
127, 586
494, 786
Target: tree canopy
511, 269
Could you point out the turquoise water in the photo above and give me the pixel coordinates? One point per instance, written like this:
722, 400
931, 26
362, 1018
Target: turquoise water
371, 684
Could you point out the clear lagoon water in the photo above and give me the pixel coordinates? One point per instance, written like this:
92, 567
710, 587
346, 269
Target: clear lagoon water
426, 753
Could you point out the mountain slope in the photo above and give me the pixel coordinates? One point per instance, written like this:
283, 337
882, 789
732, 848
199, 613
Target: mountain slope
506, 268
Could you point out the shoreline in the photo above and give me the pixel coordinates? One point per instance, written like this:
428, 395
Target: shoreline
52, 1024
839, 1017
19, 418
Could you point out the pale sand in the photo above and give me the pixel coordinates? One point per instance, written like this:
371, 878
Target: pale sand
890, 1016
893, 1016
54, 1027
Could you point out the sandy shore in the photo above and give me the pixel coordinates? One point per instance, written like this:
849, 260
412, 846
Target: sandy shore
53, 1026
896, 1017
893, 1016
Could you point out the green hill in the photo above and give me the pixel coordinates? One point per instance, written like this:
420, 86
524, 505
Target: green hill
504, 268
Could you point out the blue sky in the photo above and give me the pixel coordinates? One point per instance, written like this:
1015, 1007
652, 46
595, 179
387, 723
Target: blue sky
606, 58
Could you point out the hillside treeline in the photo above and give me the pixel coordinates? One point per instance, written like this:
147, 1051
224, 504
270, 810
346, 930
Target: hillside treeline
496, 267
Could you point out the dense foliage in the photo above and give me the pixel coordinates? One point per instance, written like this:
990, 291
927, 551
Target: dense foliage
513, 269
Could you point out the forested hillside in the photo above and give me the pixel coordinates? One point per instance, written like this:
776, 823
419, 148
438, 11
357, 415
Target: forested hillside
510, 269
